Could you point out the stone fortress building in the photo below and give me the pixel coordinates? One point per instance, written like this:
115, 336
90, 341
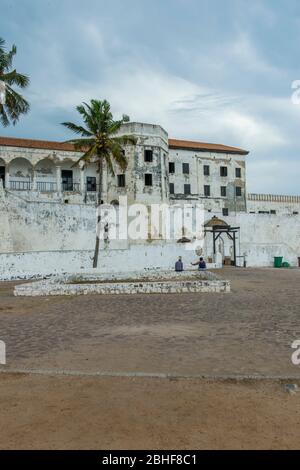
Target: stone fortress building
48, 202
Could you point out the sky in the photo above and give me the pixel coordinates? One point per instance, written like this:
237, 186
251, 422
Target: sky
209, 70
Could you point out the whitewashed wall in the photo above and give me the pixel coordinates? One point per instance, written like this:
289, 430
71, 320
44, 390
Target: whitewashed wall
136, 258
265, 236
261, 238
281, 205
42, 235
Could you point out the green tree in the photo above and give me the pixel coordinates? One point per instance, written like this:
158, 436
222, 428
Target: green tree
100, 145
13, 103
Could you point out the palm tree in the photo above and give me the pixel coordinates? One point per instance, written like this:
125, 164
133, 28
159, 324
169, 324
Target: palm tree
13, 104
100, 144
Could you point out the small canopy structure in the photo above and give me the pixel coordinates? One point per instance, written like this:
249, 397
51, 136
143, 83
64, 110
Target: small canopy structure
218, 227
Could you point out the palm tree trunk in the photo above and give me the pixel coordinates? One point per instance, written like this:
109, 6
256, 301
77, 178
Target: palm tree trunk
99, 200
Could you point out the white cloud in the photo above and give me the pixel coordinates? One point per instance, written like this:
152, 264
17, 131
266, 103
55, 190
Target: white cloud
242, 49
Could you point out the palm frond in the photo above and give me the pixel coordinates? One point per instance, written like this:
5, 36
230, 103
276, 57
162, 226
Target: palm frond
3, 116
2, 46
109, 165
118, 154
100, 130
81, 144
85, 110
15, 78
15, 105
88, 155
125, 140
115, 126
77, 129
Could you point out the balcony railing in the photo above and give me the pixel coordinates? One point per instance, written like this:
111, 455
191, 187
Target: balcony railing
25, 185
49, 186
46, 186
69, 186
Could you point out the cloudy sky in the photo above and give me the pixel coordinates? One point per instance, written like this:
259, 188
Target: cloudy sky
211, 70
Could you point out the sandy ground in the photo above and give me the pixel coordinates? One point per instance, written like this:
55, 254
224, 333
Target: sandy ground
117, 413
247, 332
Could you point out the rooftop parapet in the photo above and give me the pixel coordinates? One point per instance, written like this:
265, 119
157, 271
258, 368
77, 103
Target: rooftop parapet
144, 129
273, 198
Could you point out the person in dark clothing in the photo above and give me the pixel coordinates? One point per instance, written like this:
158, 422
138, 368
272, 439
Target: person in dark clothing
201, 264
179, 265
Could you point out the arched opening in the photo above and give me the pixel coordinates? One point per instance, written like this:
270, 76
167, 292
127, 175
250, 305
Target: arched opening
45, 174
20, 174
2, 172
115, 203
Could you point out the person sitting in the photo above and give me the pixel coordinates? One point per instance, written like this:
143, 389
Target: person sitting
201, 264
179, 265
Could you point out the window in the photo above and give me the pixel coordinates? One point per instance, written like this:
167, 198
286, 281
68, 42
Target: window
67, 180
172, 190
206, 190
223, 171
148, 156
225, 212
238, 191
187, 189
171, 168
295, 213
91, 184
223, 191
206, 170
238, 173
186, 168
272, 212
2, 175
121, 181
148, 179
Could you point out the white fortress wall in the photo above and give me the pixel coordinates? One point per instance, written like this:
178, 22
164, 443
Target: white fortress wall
158, 256
265, 236
48, 219
261, 238
54, 237
275, 204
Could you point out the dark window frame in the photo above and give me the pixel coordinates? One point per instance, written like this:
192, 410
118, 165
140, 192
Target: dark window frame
225, 212
171, 168
207, 190
238, 191
67, 178
149, 177
187, 189
223, 191
238, 172
148, 155
171, 188
2, 174
91, 184
121, 180
206, 170
223, 171
185, 168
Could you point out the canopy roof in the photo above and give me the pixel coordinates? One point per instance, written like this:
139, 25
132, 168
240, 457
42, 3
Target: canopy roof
216, 222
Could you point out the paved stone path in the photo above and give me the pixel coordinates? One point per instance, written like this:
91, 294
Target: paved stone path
247, 332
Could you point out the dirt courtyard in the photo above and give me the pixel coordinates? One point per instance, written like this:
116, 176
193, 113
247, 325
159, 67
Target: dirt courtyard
206, 342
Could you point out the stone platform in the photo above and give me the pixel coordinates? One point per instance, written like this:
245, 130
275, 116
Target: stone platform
126, 283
